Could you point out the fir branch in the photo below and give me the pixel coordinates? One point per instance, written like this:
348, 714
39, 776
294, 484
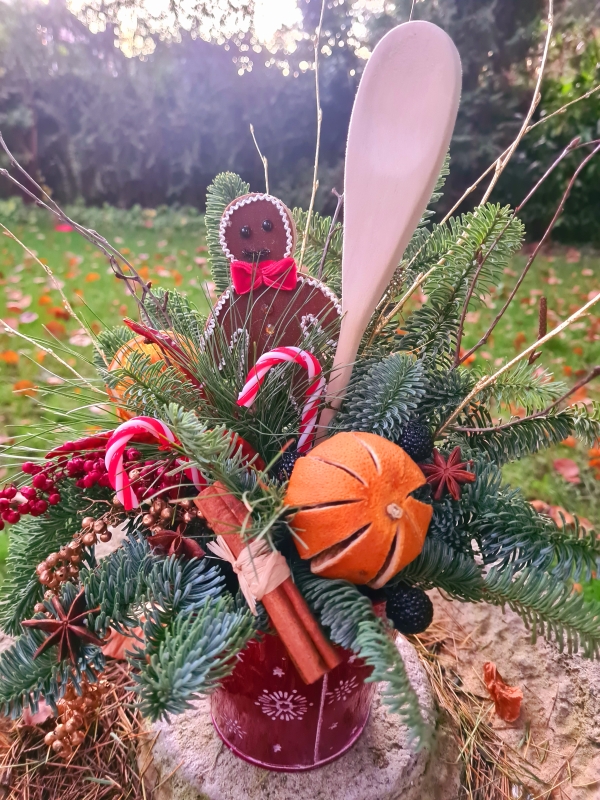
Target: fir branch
323, 253
110, 340
225, 188
25, 680
468, 246
527, 386
188, 654
351, 622
439, 566
385, 398
513, 536
548, 607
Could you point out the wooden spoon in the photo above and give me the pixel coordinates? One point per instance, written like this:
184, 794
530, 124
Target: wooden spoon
400, 131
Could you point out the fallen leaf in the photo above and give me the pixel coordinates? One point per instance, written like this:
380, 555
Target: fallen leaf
56, 328
570, 441
63, 227
58, 312
177, 277
24, 387
27, 317
80, 339
19, 305
92, 276
45, 300
588, 273
568, 469
573, 256
507, 699
9, 357
519, 340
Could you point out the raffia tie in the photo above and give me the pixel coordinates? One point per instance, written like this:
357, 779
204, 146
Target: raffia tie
260, 570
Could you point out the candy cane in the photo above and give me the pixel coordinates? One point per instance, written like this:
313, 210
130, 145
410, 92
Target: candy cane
115, 449
279, 355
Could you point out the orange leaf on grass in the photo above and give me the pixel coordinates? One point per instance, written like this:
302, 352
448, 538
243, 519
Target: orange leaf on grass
59, 313
56, 328
144, 273
568, 469
507, 699
24, 387
519, 340
177, 277
570, 441
45, 300
9, 357
92, 276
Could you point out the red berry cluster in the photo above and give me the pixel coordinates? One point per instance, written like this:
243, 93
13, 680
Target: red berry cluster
34, 500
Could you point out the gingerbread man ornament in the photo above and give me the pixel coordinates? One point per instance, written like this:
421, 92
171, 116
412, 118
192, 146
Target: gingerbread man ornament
269, 301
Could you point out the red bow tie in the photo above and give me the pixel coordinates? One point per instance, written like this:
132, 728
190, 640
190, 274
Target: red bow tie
276, 274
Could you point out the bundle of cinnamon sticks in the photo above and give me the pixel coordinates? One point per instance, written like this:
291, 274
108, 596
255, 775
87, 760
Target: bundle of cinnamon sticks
311, 652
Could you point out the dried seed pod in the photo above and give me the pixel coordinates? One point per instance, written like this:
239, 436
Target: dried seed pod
39, 608
87, 522
148, 520
60, 731
99, 526
135, 474
52, 560
58, 746
49, 738
106, 536
166, 513
116, 502
186, 505
187, 517
89, 539
77, 738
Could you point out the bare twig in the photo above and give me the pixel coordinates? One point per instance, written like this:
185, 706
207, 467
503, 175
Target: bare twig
265, 163
113, 255
461, 325
594, 373
491, 379
334, 219
501, 163
315, 184
533, 256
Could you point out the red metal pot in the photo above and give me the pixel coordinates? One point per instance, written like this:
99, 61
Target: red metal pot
268, 716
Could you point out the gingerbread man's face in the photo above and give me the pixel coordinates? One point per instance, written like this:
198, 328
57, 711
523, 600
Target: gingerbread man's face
257, 227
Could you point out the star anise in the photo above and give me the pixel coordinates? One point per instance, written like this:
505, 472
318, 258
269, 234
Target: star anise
447, 474
175, 543
67, 629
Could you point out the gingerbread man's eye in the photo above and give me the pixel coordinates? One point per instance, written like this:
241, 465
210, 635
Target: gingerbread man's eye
267, 225
245, 231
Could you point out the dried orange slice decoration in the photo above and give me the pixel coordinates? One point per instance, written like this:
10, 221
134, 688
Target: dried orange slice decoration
356, 519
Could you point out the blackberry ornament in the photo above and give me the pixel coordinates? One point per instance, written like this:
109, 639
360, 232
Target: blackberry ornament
283, 468
416, 441
409, 609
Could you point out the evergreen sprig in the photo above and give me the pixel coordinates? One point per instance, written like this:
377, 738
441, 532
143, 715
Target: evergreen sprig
225, 188
482, 243
351, 622
315, 245
188, 653
548, 607
385, 397
527, 386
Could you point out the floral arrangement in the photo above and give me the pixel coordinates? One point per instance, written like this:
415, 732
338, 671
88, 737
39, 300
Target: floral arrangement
239, 515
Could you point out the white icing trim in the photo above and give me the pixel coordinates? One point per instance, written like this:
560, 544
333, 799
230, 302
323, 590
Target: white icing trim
244, 201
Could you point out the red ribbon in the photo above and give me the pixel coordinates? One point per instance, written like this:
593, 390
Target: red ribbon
276, 274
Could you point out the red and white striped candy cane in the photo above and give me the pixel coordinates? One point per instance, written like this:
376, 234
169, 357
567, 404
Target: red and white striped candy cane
115, 449
279, 355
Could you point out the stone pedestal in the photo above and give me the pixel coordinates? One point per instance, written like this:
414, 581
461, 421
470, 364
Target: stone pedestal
186, 760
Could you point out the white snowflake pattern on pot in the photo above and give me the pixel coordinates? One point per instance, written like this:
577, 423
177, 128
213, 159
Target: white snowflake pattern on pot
282, 705
234, 729
278, 672
343, 690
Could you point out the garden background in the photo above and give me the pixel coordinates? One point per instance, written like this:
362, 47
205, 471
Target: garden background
126, 110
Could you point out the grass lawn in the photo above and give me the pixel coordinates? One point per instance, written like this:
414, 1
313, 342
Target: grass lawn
176, 257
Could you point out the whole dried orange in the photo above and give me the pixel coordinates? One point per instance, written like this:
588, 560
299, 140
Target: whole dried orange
356, 519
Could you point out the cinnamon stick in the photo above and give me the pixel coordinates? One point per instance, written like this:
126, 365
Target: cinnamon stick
311, 652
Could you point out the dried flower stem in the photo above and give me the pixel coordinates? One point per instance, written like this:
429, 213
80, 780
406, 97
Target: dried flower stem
542, 327
501, 163
315, 184
265, 163
331, 231
533, 256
